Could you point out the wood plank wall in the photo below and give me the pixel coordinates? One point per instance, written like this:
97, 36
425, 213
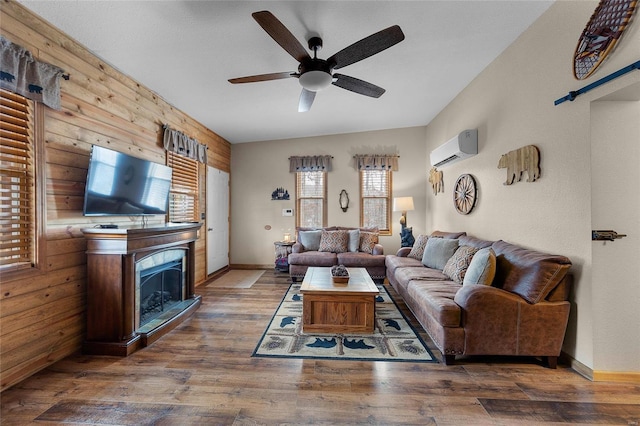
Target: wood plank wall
42, 318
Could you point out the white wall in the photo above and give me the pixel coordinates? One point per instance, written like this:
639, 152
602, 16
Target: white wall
512, 105
259, 168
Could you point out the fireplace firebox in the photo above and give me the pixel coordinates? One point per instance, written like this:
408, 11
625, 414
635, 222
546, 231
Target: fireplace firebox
140, 285
160, 288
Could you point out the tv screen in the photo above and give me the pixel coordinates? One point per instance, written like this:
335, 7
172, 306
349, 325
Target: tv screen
119, 184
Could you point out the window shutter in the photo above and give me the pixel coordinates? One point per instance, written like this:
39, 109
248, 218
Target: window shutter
375, 190
17, 232
183, 199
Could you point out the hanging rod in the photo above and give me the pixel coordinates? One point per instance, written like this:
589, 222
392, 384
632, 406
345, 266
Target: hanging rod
572, 95
301, 156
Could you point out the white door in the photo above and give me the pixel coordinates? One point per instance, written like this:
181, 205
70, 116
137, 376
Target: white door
217, 219
615, 190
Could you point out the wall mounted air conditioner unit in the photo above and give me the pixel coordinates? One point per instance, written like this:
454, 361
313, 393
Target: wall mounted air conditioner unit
462, 146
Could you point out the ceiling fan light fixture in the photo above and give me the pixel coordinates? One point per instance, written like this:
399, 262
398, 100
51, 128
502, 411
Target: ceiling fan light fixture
315, 80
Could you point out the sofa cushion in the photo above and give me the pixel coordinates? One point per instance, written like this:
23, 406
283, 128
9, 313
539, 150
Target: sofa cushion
310, 240
354, 240
449, 235
368, 240
435, 298
360, 259
419, 273
313, 258
394, 262
468, 240
438, 251
457, 264
528, 273
334, 241
418, 247
482, 268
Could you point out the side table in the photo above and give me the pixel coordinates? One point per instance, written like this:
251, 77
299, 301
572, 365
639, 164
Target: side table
283, 248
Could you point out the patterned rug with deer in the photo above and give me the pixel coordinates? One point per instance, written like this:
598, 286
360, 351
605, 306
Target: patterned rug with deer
392, 340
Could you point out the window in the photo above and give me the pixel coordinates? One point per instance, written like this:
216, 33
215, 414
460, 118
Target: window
183, 196
375, 200
20, 220
311, 196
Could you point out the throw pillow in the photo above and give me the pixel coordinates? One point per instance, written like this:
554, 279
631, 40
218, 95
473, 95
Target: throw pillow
354, 240
418, 247
482, 268
438, 251
456, 267
310, 240
334, 241
368, 240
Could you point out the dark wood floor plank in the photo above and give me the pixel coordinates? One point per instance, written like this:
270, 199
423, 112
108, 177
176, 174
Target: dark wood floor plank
591, 392
123, 413
203, 373
560, 411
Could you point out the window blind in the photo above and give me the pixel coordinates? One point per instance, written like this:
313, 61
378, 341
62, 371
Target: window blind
183, 196
375, 193
310, 199
17, 189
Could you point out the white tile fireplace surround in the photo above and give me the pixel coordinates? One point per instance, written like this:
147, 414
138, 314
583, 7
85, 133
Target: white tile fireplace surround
140, 285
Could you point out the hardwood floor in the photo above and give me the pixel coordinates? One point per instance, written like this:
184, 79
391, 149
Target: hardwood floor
203, 373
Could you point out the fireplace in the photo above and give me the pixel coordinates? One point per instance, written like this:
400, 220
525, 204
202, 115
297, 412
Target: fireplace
140, 285
160, 285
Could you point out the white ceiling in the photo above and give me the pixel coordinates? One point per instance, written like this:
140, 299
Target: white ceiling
187, 50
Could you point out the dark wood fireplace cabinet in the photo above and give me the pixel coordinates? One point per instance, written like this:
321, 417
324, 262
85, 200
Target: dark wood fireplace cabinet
140, 285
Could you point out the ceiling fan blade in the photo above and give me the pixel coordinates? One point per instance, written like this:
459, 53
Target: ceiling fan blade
306, 100
281, 34
368, 46
262, 77
358, 86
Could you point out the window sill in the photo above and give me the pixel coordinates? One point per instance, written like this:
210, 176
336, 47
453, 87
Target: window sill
14, 274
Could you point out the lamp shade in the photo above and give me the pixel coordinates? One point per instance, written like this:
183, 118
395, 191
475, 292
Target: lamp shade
402, 204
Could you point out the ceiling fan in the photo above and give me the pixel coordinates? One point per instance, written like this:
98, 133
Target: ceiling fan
316, 74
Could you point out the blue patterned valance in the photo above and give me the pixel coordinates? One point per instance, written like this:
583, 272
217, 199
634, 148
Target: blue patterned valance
315, 163
182, 144
21, 73
377, 162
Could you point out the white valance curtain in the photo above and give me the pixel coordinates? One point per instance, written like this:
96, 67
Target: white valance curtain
310, 163
182, 144
21, 73
377, 162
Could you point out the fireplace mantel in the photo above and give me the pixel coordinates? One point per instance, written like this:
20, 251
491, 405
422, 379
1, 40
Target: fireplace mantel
112, 255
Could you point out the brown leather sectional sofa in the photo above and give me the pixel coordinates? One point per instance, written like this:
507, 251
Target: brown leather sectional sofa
524, 311
302, 257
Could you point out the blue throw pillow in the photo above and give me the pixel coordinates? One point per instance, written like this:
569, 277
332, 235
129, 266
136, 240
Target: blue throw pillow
354, 240
482, 268
438, 251
310, 240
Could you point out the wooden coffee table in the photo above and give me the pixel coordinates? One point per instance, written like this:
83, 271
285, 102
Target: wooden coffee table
338, 308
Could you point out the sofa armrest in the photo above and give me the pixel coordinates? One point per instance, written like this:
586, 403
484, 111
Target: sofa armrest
377, 249
297, 248
403, 252
499, 322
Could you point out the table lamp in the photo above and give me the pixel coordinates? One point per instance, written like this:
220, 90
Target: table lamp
404, 204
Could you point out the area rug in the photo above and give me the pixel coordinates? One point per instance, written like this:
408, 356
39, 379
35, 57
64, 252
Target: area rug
392, 340
237, 278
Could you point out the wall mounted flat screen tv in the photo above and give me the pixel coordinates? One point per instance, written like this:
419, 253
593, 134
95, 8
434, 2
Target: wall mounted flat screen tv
120, 184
